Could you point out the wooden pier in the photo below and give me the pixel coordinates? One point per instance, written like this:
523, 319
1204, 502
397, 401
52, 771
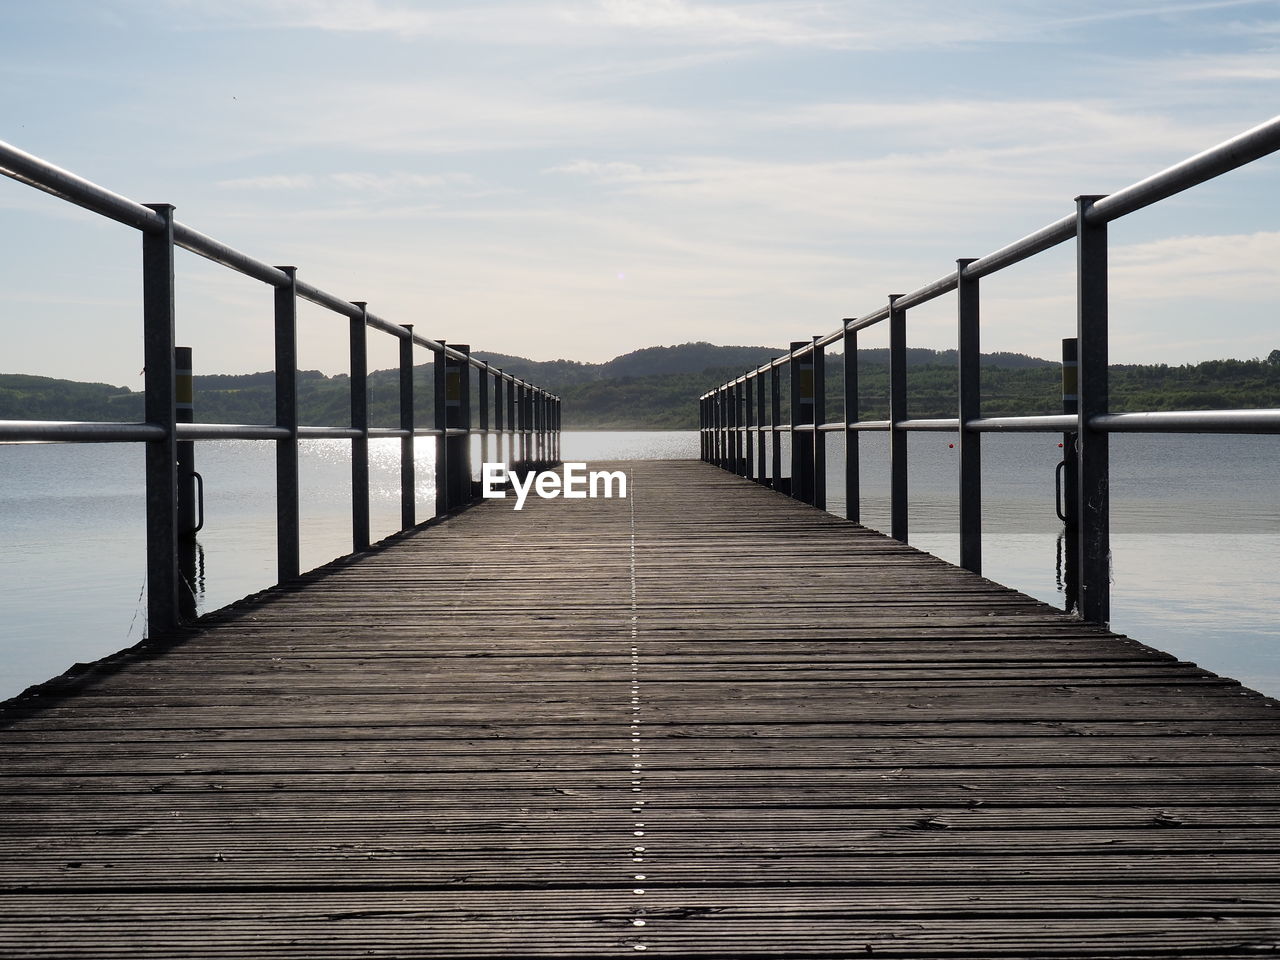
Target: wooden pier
706, 720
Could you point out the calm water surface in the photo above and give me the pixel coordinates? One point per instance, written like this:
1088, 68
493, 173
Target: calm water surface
1195, 540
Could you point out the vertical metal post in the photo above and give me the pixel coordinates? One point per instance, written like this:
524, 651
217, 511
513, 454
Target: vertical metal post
968, 346
440, 409
483, 385
512, 423
184, 409
1070, 475
288, 526
702, 429
819, 417
540, 398
735, 429
852, 476
408, 473
715, 427
725, 447
775, 420
761, 452
801, 415
526, 450
748, 421
360, 421
1093, 506
458, 397
897, 413
499, 422
161, 455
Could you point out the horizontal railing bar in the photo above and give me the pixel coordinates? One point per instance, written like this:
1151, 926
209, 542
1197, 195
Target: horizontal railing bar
1243, 148
329, 433
942, 424
231, 431
76, 431
1190, 421
211, 249
1052, 423
65, 185
870, 425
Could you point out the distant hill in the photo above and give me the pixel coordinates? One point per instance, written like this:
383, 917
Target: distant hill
656, 388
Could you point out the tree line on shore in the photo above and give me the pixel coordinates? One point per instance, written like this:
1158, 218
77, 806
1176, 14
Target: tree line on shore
657, 388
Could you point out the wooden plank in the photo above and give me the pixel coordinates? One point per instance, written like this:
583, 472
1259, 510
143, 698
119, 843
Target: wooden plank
796, 737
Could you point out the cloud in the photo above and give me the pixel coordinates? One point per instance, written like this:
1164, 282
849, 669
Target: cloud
356, 182
1238, 267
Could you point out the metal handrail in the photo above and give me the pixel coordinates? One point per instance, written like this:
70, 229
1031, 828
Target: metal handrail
527, 415
1086, 423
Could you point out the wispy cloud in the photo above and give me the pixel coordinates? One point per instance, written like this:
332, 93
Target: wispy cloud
384, 183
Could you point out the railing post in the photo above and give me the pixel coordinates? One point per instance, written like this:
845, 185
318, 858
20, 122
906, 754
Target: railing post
161, 455
801, 414
1093, 505
852, 476
541, 397
715, 428
459, 405
897, 413
735, 426
819, 417
360, 422
559, 429
499, 421
513, 424
288, 527
483, 389
1070, 476
725, 443
968, 346
440, 411
775, 421
761, 452
408, 473
748, 421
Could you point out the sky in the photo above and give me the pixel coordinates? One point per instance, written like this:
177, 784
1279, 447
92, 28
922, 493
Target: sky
582, 178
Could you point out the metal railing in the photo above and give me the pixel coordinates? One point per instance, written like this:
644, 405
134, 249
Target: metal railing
527, 416
733, 415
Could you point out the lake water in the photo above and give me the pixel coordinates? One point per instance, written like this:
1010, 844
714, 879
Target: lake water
1195, 535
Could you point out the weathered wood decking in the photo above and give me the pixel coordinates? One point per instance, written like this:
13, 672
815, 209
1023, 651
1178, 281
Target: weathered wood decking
706, 720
